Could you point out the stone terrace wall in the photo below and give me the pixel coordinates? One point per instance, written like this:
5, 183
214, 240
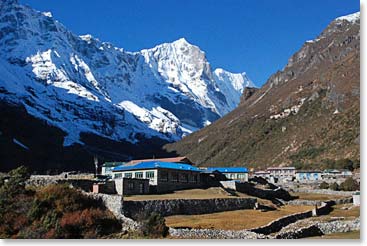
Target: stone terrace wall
133, 209
44, 180
278, 224
115, 204
318, 229
318, 202
324, 191
214, 234
269, 194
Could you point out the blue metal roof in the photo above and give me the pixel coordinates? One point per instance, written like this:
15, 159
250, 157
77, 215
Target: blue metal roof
228, 169
157, 164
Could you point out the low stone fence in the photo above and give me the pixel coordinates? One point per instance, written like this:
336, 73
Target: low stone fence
318, 202
269, 194
277, 225
214, 234
319, 229
324, 191
44, 180
133, 209
339, 226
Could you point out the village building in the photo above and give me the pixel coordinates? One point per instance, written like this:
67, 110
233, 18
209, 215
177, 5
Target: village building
162, 176
233, 173
308, 175
282, 172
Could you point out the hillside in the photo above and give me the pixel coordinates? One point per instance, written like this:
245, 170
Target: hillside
305, 114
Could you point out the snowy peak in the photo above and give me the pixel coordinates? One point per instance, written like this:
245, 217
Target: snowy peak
350, 18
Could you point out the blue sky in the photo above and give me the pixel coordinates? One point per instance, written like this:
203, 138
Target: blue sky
256, 36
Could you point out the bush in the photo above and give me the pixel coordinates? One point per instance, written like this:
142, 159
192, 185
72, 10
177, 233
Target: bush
324, 185
349, 185
334, 186
89, 223
153, 225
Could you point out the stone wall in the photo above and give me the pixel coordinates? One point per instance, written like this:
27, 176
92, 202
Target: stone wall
318, 202
318, 229
133, 209
277, 225
324, 191
214, 234
270, 194
114, 203
44, 180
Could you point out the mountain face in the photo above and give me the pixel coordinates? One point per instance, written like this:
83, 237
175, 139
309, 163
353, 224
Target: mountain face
307, 113
90, 96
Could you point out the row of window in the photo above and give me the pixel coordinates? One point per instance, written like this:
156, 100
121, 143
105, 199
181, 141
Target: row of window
163, 176
235, 176
138, 175
178, 177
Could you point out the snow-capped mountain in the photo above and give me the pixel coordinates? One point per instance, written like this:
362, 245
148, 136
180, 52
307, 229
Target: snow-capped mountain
80, 84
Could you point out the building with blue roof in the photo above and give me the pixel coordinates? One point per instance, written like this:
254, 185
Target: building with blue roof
234, 173
163, 176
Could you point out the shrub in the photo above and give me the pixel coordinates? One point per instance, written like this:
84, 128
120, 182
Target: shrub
334, 186
324, 185
349, 185
153, 225
89, 223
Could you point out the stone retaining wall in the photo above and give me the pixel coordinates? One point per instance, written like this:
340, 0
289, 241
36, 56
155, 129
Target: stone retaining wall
318, 229
318, 202
44, 180
277, 225
133, 209
324, 191
269, 194
115, 204
214, 234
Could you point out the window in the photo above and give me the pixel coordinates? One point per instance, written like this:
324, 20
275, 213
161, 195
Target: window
130, 186
174, 177
240, 176
128, 175
118, 175
149, 175
139, 175
163, 176
184, 178
193, 178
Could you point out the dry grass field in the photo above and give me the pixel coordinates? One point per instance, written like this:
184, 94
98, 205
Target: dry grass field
233, 220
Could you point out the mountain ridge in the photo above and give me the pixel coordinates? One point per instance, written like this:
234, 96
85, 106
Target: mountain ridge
306, 113
82, 85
